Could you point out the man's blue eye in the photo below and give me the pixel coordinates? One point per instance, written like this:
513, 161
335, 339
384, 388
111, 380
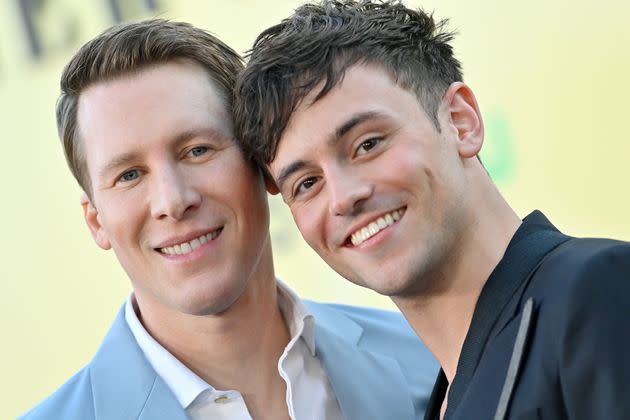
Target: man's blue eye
130, 175
198, 151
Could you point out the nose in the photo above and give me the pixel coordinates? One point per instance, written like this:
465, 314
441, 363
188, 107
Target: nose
348, 191
172, 195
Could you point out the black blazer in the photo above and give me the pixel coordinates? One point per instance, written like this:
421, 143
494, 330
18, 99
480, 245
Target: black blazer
553, 345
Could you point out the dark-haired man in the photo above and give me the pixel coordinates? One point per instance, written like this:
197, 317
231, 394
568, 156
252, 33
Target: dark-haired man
208, 332
359, 113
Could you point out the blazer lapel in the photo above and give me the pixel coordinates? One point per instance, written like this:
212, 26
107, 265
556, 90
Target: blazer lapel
515, 361
124, 384
367, 385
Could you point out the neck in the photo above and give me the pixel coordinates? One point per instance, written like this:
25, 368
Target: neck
224, 349
442, 315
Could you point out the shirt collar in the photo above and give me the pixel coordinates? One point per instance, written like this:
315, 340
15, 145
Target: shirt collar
184, 383
299, 319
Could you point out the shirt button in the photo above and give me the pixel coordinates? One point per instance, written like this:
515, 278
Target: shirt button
222, 399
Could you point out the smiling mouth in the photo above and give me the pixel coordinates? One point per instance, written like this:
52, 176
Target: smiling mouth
188, 247
374, 227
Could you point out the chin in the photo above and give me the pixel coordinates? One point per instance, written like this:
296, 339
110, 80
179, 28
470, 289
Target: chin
379, 285
210, 302
390, 284
206, 308
388, 289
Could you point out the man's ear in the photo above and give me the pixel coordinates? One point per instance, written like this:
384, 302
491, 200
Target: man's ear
92, 219
270, 184
464, 115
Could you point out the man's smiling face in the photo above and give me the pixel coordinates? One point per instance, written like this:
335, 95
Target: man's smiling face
375, 189
172, 194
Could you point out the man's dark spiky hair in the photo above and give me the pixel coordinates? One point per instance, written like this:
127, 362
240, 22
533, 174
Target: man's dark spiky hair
318, 43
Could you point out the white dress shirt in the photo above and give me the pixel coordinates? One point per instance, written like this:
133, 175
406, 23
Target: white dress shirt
309, 394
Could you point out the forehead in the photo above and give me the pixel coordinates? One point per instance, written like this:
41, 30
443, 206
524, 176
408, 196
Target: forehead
364, 89
363, 86
148, 108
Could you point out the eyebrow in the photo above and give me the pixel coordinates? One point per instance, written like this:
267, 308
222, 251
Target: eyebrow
126, 158
289, 170
116, 162
355, 120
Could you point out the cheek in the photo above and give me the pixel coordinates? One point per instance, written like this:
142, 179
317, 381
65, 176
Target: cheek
407, 163
411, 175
247, 190
121, 218
311, 224
237, 187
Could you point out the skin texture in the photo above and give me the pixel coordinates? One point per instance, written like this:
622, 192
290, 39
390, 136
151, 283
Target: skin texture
360, 153
164, 170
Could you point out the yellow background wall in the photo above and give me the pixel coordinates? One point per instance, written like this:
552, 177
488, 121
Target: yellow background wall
551, 78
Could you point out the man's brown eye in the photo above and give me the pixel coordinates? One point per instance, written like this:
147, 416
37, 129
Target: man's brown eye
305, 185
368, 145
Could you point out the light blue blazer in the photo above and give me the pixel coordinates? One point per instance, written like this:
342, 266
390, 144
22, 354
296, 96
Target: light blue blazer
377, 366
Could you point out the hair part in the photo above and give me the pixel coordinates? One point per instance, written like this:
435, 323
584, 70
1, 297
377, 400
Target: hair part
127, 49
318, 43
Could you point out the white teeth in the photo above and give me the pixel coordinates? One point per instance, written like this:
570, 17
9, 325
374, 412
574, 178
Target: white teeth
373, 228
376, 226
187, 247
364, 234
